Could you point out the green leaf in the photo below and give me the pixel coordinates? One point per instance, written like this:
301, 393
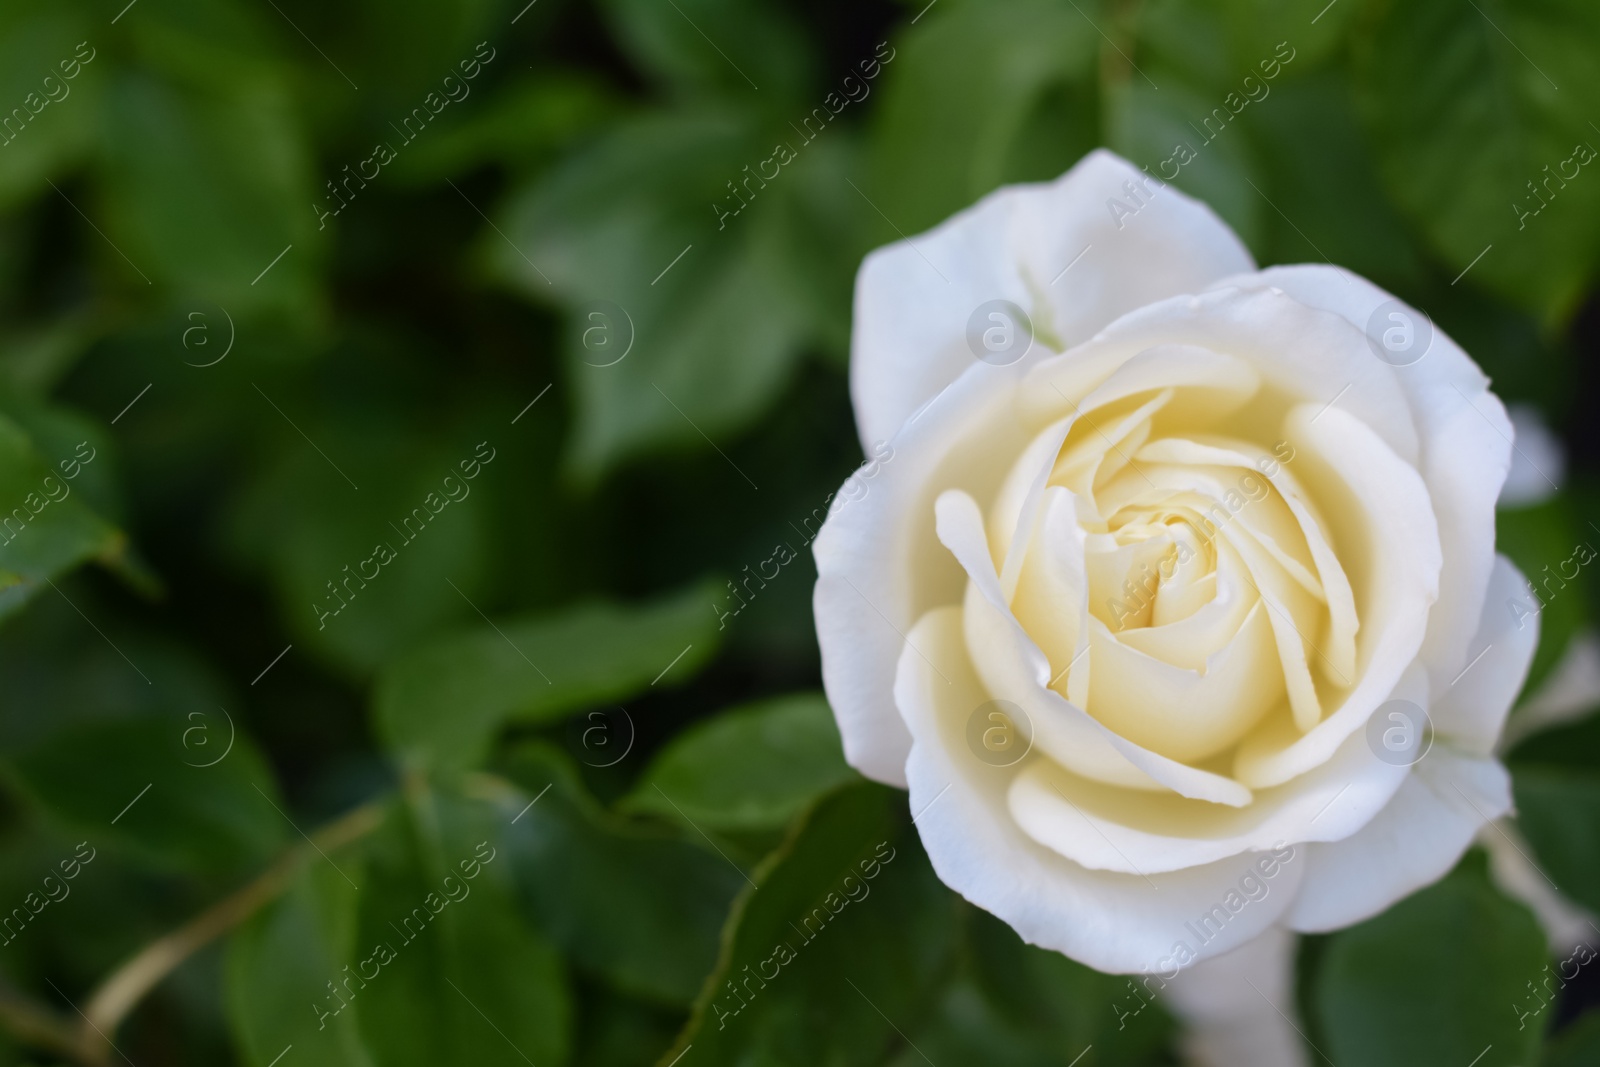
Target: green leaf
1434, 980
620, 1031
1524, 361
1576, 1046
1259, 27
751, 768
442, 704
522, 124
1058, 1003
975, 96
849, 898
360, 574
204, 187
34, 358
1188, 37
95, 713
1464, 137
706, 304
1322, 177
400, 50
452, 972
1219, 44
279, 965
963, 1027
50, 119
1573, 746
638, 905
740, 48
144, 774
1558, 813
62, 674
61, 435
1181, 131
46, 527
224, 44
1015, 1005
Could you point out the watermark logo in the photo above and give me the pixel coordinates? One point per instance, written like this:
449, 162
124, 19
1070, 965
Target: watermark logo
607, 334
999, 332
999, 733
1399, 733
197, 739
197, 337
1398, 334
602, 738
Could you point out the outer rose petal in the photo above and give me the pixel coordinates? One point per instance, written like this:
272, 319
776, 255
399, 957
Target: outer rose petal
879, 564
1238, 1008
1411, 843
1569, 693
1449, 796
1150, 833
1538, 464
1465, 438
1118, 923
913, 298
1471, 710
1298, 349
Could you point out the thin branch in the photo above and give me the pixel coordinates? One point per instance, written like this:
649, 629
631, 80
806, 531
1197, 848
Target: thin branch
122, 991
34, 1024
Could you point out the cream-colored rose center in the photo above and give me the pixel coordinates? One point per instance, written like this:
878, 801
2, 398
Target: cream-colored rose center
1180, 580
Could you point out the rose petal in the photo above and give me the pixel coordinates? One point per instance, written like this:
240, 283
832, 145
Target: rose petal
1538, 462
1412, 842
1190, 640
1208, 381
1113, 922
1465, 450
1216, 381
1186, 715
1110, 829
1289, 613
913, 298
1013, 668
869, 549
1296, 350
1238, 1009
1051, 602
1335, 585
1474, 705
1388, 526
1568, 693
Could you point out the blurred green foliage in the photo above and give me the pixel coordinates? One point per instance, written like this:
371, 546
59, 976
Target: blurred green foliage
288, 272
1471, 948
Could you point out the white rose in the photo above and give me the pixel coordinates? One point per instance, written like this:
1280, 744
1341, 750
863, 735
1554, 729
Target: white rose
1130, 613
